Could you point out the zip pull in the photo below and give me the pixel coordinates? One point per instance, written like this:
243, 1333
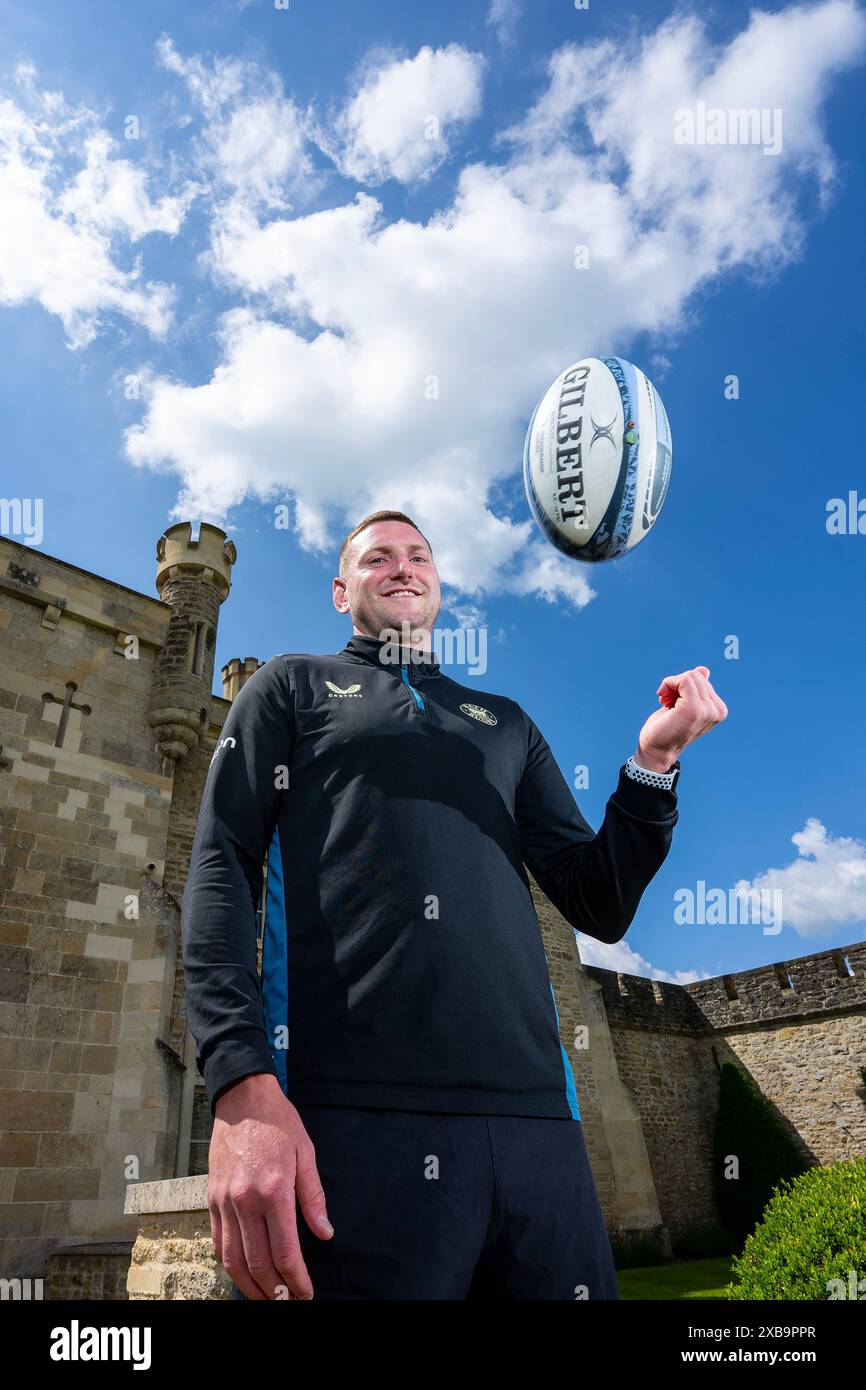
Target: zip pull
415, 694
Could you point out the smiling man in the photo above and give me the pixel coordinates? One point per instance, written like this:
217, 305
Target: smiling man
400, 1057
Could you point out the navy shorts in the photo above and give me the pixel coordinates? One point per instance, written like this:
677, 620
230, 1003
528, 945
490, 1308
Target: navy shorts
433, 1206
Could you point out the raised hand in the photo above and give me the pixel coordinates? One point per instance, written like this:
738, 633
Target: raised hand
690, 708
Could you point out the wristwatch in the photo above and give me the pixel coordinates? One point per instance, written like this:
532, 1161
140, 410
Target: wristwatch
665, 781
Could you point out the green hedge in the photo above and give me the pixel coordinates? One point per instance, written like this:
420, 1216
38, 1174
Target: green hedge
748, 1126
813, 1231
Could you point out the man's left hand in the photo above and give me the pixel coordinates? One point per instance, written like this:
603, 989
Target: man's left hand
690, 708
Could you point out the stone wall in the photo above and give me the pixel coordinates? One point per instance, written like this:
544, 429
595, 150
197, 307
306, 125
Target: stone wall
797, 1027
173, 1255
674, 1081
609, 1111
189, 782
83, 811
94, 1272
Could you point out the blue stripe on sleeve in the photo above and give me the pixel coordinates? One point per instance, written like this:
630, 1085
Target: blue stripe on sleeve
275, 978
570, 1092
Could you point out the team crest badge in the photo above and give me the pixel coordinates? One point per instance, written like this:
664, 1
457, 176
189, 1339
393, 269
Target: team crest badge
480, 713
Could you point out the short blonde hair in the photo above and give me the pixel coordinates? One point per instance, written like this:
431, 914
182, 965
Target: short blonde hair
368, 521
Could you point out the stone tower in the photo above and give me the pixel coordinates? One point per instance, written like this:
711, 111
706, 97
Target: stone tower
193, 577
236, 673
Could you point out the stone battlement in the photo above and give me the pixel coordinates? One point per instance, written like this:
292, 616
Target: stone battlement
785, 990
213, 555
236, 673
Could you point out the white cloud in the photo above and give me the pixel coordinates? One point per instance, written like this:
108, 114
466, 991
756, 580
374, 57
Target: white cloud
482, 304
727, 204
661, 365
253, 138
60, 229
466, 613
111, 195
824, 888
625, 960
399, 122
503, 17
371, 362
342, 419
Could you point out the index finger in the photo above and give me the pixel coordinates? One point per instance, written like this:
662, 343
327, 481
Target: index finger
670, 686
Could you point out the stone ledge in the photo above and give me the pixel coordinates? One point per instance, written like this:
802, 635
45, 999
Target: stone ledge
173, 1255
172, 1194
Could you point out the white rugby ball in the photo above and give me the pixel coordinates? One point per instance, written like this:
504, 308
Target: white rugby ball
597, 459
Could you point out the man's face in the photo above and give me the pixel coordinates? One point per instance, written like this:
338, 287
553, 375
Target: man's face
390, 580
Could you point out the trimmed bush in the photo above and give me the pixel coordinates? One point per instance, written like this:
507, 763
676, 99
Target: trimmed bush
812, 1232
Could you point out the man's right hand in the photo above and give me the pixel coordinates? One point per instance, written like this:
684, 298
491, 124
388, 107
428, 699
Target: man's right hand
260, 1158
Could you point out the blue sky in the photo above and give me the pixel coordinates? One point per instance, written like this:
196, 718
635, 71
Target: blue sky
279, 260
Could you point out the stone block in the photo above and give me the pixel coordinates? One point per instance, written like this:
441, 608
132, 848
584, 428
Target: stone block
42, 1112
55, 1184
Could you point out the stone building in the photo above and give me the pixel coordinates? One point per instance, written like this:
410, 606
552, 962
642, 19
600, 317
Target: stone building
107, 726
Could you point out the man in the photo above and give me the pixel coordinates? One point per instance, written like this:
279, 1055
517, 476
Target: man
400, 1056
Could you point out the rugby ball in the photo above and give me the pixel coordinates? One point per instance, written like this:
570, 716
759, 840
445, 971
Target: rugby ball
597, 459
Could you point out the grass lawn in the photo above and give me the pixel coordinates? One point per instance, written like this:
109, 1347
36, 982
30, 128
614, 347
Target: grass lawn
687, 1279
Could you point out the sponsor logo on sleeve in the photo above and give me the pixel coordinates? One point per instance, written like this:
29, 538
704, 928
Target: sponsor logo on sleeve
230, 742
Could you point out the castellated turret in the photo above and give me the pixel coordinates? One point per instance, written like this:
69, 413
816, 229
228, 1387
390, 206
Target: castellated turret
193, 578
236, 673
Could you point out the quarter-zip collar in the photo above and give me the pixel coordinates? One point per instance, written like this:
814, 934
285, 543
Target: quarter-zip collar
368, 649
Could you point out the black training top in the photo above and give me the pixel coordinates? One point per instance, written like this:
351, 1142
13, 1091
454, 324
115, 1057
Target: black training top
402, 961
